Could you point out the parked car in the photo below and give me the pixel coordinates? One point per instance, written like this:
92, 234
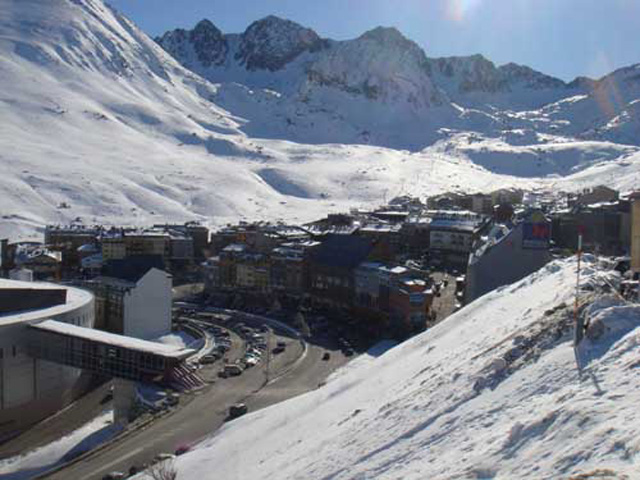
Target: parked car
233, 370
237, 410
114, 476
206, 359
348, 352
250, 361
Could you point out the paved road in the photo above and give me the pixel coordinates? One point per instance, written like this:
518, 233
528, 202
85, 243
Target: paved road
206, 412
445, 304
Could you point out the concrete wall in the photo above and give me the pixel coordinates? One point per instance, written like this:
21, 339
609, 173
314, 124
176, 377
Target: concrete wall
504, 263
147, 307
30, 389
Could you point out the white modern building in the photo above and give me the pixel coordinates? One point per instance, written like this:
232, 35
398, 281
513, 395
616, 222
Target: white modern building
133, 297
32, 389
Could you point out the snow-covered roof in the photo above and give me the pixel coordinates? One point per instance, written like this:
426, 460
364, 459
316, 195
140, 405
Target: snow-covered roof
114, 339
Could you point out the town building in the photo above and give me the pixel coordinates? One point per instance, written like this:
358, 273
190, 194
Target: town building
508, 253
45, 264
452, 235
410, 300
605, 228
67, 239
133, 297
599, 194
252, 272
331, 269
414, 234
198, 234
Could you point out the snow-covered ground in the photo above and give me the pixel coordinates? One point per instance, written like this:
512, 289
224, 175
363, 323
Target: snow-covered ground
38, 461
492, 392
180, 339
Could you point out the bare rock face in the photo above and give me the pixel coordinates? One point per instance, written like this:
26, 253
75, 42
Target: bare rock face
271, 43
205, 44
381, 65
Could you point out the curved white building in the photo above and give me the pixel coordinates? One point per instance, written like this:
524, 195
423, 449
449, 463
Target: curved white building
32, 389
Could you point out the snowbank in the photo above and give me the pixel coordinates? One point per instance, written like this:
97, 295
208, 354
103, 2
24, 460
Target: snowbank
86, 438
492, 392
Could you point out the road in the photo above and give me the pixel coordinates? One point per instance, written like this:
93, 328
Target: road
207, 410
444, 305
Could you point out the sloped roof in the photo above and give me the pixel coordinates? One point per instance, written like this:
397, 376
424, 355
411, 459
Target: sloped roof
133, 268
342, 251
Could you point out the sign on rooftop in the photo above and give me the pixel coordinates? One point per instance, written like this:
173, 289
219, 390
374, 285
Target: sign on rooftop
536, 231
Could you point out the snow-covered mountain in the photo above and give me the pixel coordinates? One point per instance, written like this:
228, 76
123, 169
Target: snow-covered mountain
495, 391
101, 124
382, 79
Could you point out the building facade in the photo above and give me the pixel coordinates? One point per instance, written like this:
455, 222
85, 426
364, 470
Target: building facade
32, 389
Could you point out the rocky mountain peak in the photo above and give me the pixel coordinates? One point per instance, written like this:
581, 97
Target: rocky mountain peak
529, 77
272, 42
205, 40
385, 35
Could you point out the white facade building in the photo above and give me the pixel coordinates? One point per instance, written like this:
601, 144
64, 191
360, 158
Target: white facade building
147, 306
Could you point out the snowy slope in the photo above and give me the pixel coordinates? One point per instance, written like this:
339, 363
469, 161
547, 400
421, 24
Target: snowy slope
492, 392
100, 124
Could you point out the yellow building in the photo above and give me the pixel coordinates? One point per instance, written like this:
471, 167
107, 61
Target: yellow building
113, 248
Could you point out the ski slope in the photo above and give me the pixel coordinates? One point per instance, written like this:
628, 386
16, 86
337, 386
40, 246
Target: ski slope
494, 392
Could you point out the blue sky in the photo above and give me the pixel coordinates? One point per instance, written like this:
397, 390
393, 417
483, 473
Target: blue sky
564, 38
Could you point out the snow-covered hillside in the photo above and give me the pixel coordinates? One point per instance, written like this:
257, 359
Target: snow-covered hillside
492, 392
101, 124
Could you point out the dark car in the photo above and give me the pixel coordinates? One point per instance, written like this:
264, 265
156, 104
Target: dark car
237, 410
326, 356
114, 476
182, 449
277, 350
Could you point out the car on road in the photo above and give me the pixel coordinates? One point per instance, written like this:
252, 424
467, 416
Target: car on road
281, 344
210, 358
182, 449
326, 356
348, 352
161, 457
237, 410
114, 476
277, 350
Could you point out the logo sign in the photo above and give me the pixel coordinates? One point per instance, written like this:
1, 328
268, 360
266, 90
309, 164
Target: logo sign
536, 232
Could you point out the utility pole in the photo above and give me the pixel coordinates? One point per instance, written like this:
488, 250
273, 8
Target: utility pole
268, 354
579, 327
